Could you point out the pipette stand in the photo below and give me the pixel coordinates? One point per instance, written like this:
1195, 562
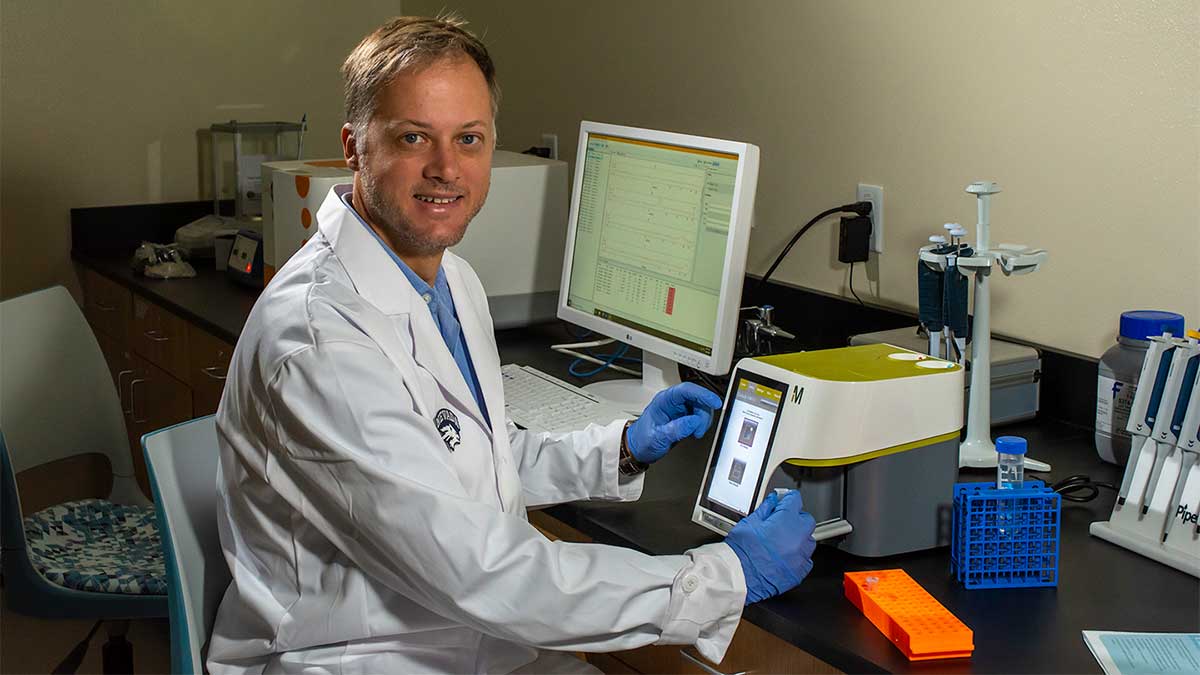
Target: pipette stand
1156, 509
978, 451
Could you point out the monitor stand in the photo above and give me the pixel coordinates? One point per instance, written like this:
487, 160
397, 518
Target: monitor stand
632, 395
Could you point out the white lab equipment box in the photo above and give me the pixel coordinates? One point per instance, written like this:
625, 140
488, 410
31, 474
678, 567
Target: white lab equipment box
293, 192
515, 243
1016, 371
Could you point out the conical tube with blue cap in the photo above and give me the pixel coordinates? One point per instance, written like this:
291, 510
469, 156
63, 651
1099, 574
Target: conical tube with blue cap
1010, 464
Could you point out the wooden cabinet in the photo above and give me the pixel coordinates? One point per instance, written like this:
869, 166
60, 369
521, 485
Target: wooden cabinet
155, 400
165, 369
753, 649
208, 363
159, 336
107, 306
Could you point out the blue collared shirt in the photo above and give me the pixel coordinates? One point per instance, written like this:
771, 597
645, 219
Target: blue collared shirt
441, 306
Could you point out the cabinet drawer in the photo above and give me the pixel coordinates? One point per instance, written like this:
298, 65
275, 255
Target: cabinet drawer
160, 337
154, 399
107, 306
208, 363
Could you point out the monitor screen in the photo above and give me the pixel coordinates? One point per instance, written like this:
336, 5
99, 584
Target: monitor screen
650, 240
655, 217
736, 468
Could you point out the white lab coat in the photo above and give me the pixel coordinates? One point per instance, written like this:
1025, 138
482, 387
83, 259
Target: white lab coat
359, 542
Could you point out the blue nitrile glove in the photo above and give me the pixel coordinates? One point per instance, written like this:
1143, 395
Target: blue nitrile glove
775, 545
673, 414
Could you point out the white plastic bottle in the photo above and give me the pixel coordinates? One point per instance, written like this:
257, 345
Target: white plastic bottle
1117, 378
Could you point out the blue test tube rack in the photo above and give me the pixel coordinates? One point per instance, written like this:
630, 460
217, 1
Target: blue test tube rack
1005, 538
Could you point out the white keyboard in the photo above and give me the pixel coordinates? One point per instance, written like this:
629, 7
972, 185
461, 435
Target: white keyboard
541, 402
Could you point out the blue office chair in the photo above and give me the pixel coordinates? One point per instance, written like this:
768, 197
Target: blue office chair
91, 558
182, 462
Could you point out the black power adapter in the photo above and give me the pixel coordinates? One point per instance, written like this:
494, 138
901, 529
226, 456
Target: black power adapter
854, 239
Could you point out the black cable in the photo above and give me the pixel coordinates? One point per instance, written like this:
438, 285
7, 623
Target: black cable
852, 287
1080, 483
861, 208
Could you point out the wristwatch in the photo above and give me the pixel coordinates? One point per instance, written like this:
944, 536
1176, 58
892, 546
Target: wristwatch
629, 465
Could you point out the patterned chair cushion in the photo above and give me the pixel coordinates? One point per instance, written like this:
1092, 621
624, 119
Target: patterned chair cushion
95, 545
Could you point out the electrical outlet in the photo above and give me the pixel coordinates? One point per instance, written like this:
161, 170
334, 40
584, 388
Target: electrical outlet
551, 141
873, 194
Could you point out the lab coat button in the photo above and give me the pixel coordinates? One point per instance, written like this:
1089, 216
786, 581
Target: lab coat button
690, 583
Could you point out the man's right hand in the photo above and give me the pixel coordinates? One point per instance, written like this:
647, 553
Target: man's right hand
775, 545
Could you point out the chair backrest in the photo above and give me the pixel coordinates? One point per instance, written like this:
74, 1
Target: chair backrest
182, 463
57, 397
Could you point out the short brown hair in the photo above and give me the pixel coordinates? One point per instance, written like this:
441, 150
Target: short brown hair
408, 42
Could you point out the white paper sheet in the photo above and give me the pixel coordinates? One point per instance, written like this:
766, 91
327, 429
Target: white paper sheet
1121, 653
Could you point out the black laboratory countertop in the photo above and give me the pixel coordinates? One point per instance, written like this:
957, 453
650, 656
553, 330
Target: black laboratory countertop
1032, 630
1029, 630
211, 300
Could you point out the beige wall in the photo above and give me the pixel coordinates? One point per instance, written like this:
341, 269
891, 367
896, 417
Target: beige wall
103, 103
1085, 112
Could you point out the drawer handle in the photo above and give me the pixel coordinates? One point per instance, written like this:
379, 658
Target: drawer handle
156, 335
121, 392
104, 306
132, 405
211, 371
707, 668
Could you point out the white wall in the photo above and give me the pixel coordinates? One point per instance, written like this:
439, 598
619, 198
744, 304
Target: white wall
104, 102
1086, 112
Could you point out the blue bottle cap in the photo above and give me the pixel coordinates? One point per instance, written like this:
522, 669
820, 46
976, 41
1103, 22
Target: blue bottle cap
1011, 445
1146, 323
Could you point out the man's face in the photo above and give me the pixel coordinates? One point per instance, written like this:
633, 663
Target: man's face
426, 167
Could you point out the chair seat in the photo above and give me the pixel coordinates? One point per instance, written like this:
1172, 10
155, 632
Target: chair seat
96, 545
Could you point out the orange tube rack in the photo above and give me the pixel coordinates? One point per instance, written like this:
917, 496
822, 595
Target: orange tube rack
908, 616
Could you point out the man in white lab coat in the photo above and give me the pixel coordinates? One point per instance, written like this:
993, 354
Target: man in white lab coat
372, 493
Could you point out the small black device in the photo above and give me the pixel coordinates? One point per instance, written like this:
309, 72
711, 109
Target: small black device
854, 239
246, 259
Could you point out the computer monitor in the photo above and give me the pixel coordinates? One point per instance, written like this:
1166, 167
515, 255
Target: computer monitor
656, 249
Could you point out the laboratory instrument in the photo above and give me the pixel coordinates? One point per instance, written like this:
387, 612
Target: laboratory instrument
514, 243
293, 191
977, 450
1016, 372
942, 294
246, 259
541, 402
1156, 509
920, 626
656, 249
868, 434
198, 237
1117, 378
247, 203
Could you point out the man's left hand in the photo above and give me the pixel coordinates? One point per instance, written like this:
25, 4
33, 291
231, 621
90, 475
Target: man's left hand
674, 414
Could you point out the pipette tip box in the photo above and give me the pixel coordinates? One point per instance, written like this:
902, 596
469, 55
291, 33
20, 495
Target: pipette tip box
920, 627
1005, 538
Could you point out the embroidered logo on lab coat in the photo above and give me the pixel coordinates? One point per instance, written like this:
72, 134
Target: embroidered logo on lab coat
447, 425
